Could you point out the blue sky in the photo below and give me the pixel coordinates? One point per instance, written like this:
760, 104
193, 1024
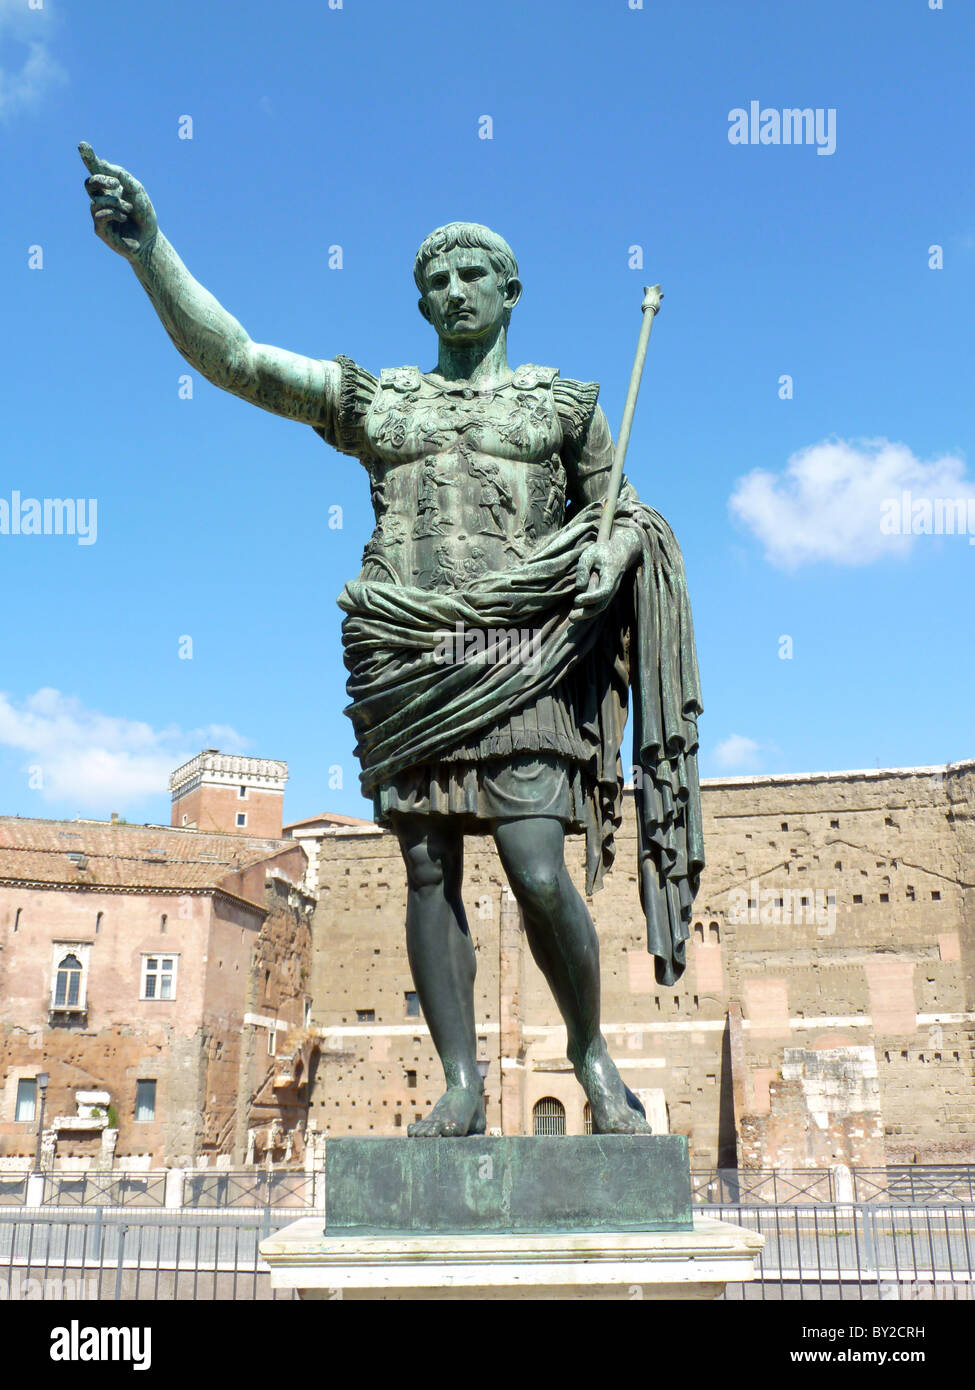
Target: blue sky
358, 127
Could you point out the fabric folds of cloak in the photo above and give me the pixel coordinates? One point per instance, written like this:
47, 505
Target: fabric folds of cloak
411, 703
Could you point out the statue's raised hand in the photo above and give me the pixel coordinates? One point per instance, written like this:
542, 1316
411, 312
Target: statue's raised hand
123, 215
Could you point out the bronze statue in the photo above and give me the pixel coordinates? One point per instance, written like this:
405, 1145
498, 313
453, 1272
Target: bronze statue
488, 486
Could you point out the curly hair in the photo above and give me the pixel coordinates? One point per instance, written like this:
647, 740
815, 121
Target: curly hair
471, 234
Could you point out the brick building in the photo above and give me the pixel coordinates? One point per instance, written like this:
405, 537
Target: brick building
159, 976
229, 792
190, 1001
827, 1013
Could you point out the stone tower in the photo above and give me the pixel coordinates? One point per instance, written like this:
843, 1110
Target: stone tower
223, 791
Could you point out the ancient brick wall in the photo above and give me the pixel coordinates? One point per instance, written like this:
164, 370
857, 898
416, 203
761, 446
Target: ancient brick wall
272, 1081
836, 911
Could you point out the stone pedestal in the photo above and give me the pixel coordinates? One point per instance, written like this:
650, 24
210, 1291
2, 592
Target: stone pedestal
607, 1216
695, 1264
601, 1182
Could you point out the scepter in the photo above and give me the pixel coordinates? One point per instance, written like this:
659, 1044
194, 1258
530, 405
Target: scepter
652, 295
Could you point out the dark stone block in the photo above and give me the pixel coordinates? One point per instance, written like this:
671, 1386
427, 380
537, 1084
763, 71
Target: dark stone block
607, 1182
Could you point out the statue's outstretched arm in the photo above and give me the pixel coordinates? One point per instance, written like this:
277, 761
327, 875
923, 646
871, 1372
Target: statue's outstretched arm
210, 339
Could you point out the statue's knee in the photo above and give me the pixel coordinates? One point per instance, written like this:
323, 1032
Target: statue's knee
425, 873
539, 887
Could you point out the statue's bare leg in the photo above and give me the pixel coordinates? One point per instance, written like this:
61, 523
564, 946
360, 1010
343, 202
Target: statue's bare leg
442, 960
563, 942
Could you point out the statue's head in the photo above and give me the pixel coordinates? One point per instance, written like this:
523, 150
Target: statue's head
467, 276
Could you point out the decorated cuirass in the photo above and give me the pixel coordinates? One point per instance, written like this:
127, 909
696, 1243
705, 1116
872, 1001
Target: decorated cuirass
464, 482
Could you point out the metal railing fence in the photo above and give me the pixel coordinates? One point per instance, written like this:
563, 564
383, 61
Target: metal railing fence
105, 1189
249, 1188
208, 1188
13, 1190
815, 1252
918, 1184
296, 1189
858, 1251
94, 1254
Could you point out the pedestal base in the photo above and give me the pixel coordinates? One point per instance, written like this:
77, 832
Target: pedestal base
519, 1183
695, 1264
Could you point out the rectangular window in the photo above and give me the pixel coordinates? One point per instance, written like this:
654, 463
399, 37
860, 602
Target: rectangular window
68, 987
242, 793
272, 1041
145, 1100
26, 1101
365, 1015
412, 1004
241, 818
159, 977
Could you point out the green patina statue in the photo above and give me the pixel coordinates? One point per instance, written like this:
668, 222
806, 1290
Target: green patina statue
492, 638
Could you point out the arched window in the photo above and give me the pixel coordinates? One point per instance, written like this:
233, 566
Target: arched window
587, 1118
67, 989
548, 1116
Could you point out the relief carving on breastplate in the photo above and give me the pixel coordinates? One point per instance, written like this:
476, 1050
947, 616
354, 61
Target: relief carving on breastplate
390, 532
452, 571
529, 416
429, 521
464, 482
393, 430
492, 495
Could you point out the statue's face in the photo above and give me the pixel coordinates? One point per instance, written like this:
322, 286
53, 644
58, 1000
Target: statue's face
462, 298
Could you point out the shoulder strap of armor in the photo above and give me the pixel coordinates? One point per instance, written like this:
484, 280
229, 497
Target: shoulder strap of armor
400, 379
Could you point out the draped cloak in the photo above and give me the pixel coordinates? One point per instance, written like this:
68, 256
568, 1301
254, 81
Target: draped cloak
410, 708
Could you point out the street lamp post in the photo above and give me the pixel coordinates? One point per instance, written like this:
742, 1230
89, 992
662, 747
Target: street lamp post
42, 1083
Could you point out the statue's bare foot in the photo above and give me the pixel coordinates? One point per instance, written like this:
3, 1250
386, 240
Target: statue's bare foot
613, 1108
459, 1111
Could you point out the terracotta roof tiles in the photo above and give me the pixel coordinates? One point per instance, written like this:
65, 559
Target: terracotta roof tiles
124, 856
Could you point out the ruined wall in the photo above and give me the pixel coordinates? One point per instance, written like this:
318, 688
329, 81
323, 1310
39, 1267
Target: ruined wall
822, 1109
836, 910
882, 967
276, 1051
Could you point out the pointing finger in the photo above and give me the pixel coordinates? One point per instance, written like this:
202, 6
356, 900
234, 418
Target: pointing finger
94, 165
91, 161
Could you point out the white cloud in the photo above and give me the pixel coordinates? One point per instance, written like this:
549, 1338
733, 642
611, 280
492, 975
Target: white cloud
96, 761
28, 70
829, 501
737, 753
